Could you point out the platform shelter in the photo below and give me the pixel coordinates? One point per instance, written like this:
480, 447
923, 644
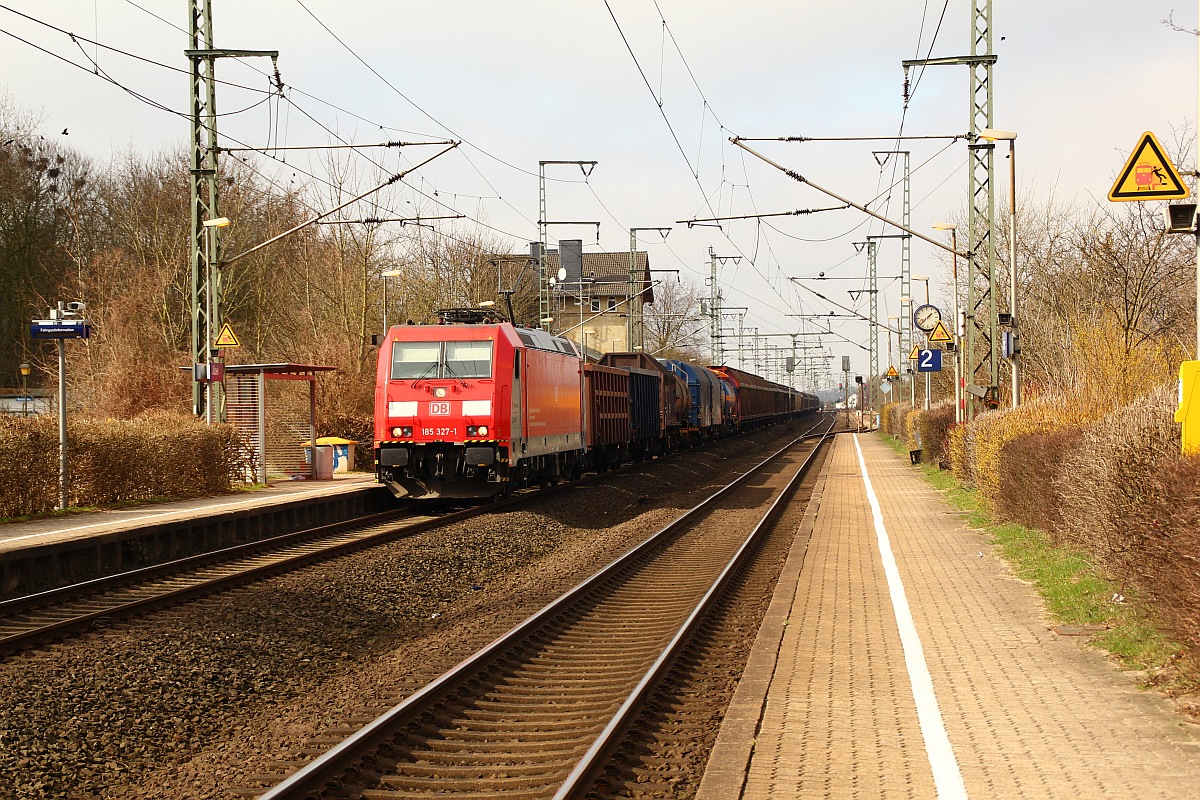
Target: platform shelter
278, 437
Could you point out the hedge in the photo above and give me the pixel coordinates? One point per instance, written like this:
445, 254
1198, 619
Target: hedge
154, 457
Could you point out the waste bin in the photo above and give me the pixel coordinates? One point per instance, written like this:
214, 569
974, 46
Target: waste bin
343, 452
324, 462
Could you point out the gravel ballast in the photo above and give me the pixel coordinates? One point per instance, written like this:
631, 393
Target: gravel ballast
189, 702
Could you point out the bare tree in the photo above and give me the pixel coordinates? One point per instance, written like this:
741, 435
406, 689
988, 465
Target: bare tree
460, 268
1105, 309
673, 325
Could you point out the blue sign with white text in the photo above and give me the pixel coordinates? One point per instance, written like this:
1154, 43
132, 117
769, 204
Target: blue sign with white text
60, 329
929, 361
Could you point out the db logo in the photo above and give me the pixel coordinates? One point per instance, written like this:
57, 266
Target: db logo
440, 409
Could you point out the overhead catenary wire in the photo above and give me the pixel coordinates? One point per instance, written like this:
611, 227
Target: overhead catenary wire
305, 224
764, 236
277, 148
801, 179
76, 38
693, 170
96, 70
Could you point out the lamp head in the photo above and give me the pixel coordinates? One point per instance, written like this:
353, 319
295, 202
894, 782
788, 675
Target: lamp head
996, 135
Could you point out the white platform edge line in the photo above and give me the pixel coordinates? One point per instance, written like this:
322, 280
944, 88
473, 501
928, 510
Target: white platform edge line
947, 778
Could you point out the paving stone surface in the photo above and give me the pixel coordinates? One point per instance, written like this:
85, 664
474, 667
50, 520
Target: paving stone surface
826, 708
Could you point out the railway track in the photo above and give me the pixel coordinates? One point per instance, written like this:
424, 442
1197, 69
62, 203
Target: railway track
537, 713
26, 622
33, 620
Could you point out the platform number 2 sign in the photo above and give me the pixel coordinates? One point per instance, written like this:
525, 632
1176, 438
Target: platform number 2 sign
929, 361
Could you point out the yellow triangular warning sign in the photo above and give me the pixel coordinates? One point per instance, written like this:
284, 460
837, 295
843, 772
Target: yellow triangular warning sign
891, 373
1148, 175
227, 338
939, 334
916, 353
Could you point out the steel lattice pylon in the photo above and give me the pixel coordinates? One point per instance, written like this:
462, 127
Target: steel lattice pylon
205, 247
982, 344
980, 350
203, 186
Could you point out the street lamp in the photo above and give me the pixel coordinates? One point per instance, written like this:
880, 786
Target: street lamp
958, 389
1011, 137
25, 370
211, 282
926, 282
391, 273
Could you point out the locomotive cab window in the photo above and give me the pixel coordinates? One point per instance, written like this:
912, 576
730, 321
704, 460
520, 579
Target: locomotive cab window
413, 360
468, 359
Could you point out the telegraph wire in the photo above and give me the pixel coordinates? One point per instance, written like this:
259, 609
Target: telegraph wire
99, 72
76, 39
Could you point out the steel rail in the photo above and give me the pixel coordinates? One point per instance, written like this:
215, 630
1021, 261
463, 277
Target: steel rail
314, 776
55, 602
154, 571
592, 762
308, 543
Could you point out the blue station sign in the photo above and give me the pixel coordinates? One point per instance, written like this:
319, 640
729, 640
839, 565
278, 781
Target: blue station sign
60, 329
929, 361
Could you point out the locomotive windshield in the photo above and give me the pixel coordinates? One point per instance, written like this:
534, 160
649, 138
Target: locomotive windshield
415, 360
468, 359
412, 360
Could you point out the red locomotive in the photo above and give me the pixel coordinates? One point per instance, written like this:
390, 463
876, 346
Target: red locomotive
475, 409
475, 406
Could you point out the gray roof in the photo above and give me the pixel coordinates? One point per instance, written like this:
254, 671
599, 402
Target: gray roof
610, 269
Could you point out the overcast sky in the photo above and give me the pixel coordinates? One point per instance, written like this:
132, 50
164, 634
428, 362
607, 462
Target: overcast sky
525, 81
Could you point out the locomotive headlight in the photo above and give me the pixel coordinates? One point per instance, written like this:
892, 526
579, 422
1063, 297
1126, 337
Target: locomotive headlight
483, 430
402, 433
477, 430
439, 391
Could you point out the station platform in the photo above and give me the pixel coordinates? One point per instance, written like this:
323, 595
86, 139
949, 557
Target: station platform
901, 658
43, 553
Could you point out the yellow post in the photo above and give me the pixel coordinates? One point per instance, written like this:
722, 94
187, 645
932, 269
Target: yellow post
1188, 412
